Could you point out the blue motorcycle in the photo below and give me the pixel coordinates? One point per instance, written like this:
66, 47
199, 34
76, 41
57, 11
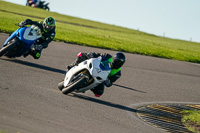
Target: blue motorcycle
20, 41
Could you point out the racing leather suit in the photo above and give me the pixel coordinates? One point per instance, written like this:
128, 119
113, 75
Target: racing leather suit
47, 37
113, 76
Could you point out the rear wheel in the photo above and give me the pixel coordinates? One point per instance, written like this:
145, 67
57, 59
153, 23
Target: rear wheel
47, 9
8, 47
75, 85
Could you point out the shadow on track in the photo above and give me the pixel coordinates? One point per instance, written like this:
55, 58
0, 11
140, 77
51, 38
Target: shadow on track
36, 65
129, 88
118, 106
164, 119
103, 102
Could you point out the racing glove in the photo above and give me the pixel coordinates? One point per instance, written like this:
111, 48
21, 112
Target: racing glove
93, 55
38, 47
108, 83
22, 24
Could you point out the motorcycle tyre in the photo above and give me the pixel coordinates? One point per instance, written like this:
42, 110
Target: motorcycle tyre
47, 9
7, 48
74, 85
61, 85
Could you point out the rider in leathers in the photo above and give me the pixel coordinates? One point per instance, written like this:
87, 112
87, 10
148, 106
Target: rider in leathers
33, 3
48, 33
117, 61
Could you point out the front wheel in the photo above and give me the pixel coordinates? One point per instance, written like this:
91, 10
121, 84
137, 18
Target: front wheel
8, 47
75, 85
61, 85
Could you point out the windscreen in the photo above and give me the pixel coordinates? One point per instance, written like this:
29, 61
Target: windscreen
105, 65
35, 30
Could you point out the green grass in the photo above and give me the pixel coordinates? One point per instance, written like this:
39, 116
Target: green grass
89, 33
191, 119
2, 131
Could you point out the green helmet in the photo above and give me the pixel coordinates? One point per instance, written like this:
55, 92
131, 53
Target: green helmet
48, 23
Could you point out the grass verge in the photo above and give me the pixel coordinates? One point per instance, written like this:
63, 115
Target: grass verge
191, 120
89, 33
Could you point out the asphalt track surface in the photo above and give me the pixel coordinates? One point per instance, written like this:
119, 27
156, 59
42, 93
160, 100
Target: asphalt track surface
30, 101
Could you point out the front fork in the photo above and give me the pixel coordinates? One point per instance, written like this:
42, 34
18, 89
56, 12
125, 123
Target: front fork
12, 36
83, 73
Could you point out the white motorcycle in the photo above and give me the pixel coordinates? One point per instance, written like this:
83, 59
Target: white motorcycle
86, 75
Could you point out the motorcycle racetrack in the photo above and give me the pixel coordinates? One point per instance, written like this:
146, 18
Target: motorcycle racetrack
30, 101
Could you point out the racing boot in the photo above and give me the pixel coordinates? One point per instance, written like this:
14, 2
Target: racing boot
36, 51
98, 90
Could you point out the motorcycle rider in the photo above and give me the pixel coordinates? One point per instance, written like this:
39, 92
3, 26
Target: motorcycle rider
48, 33
117, 61
33, 3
